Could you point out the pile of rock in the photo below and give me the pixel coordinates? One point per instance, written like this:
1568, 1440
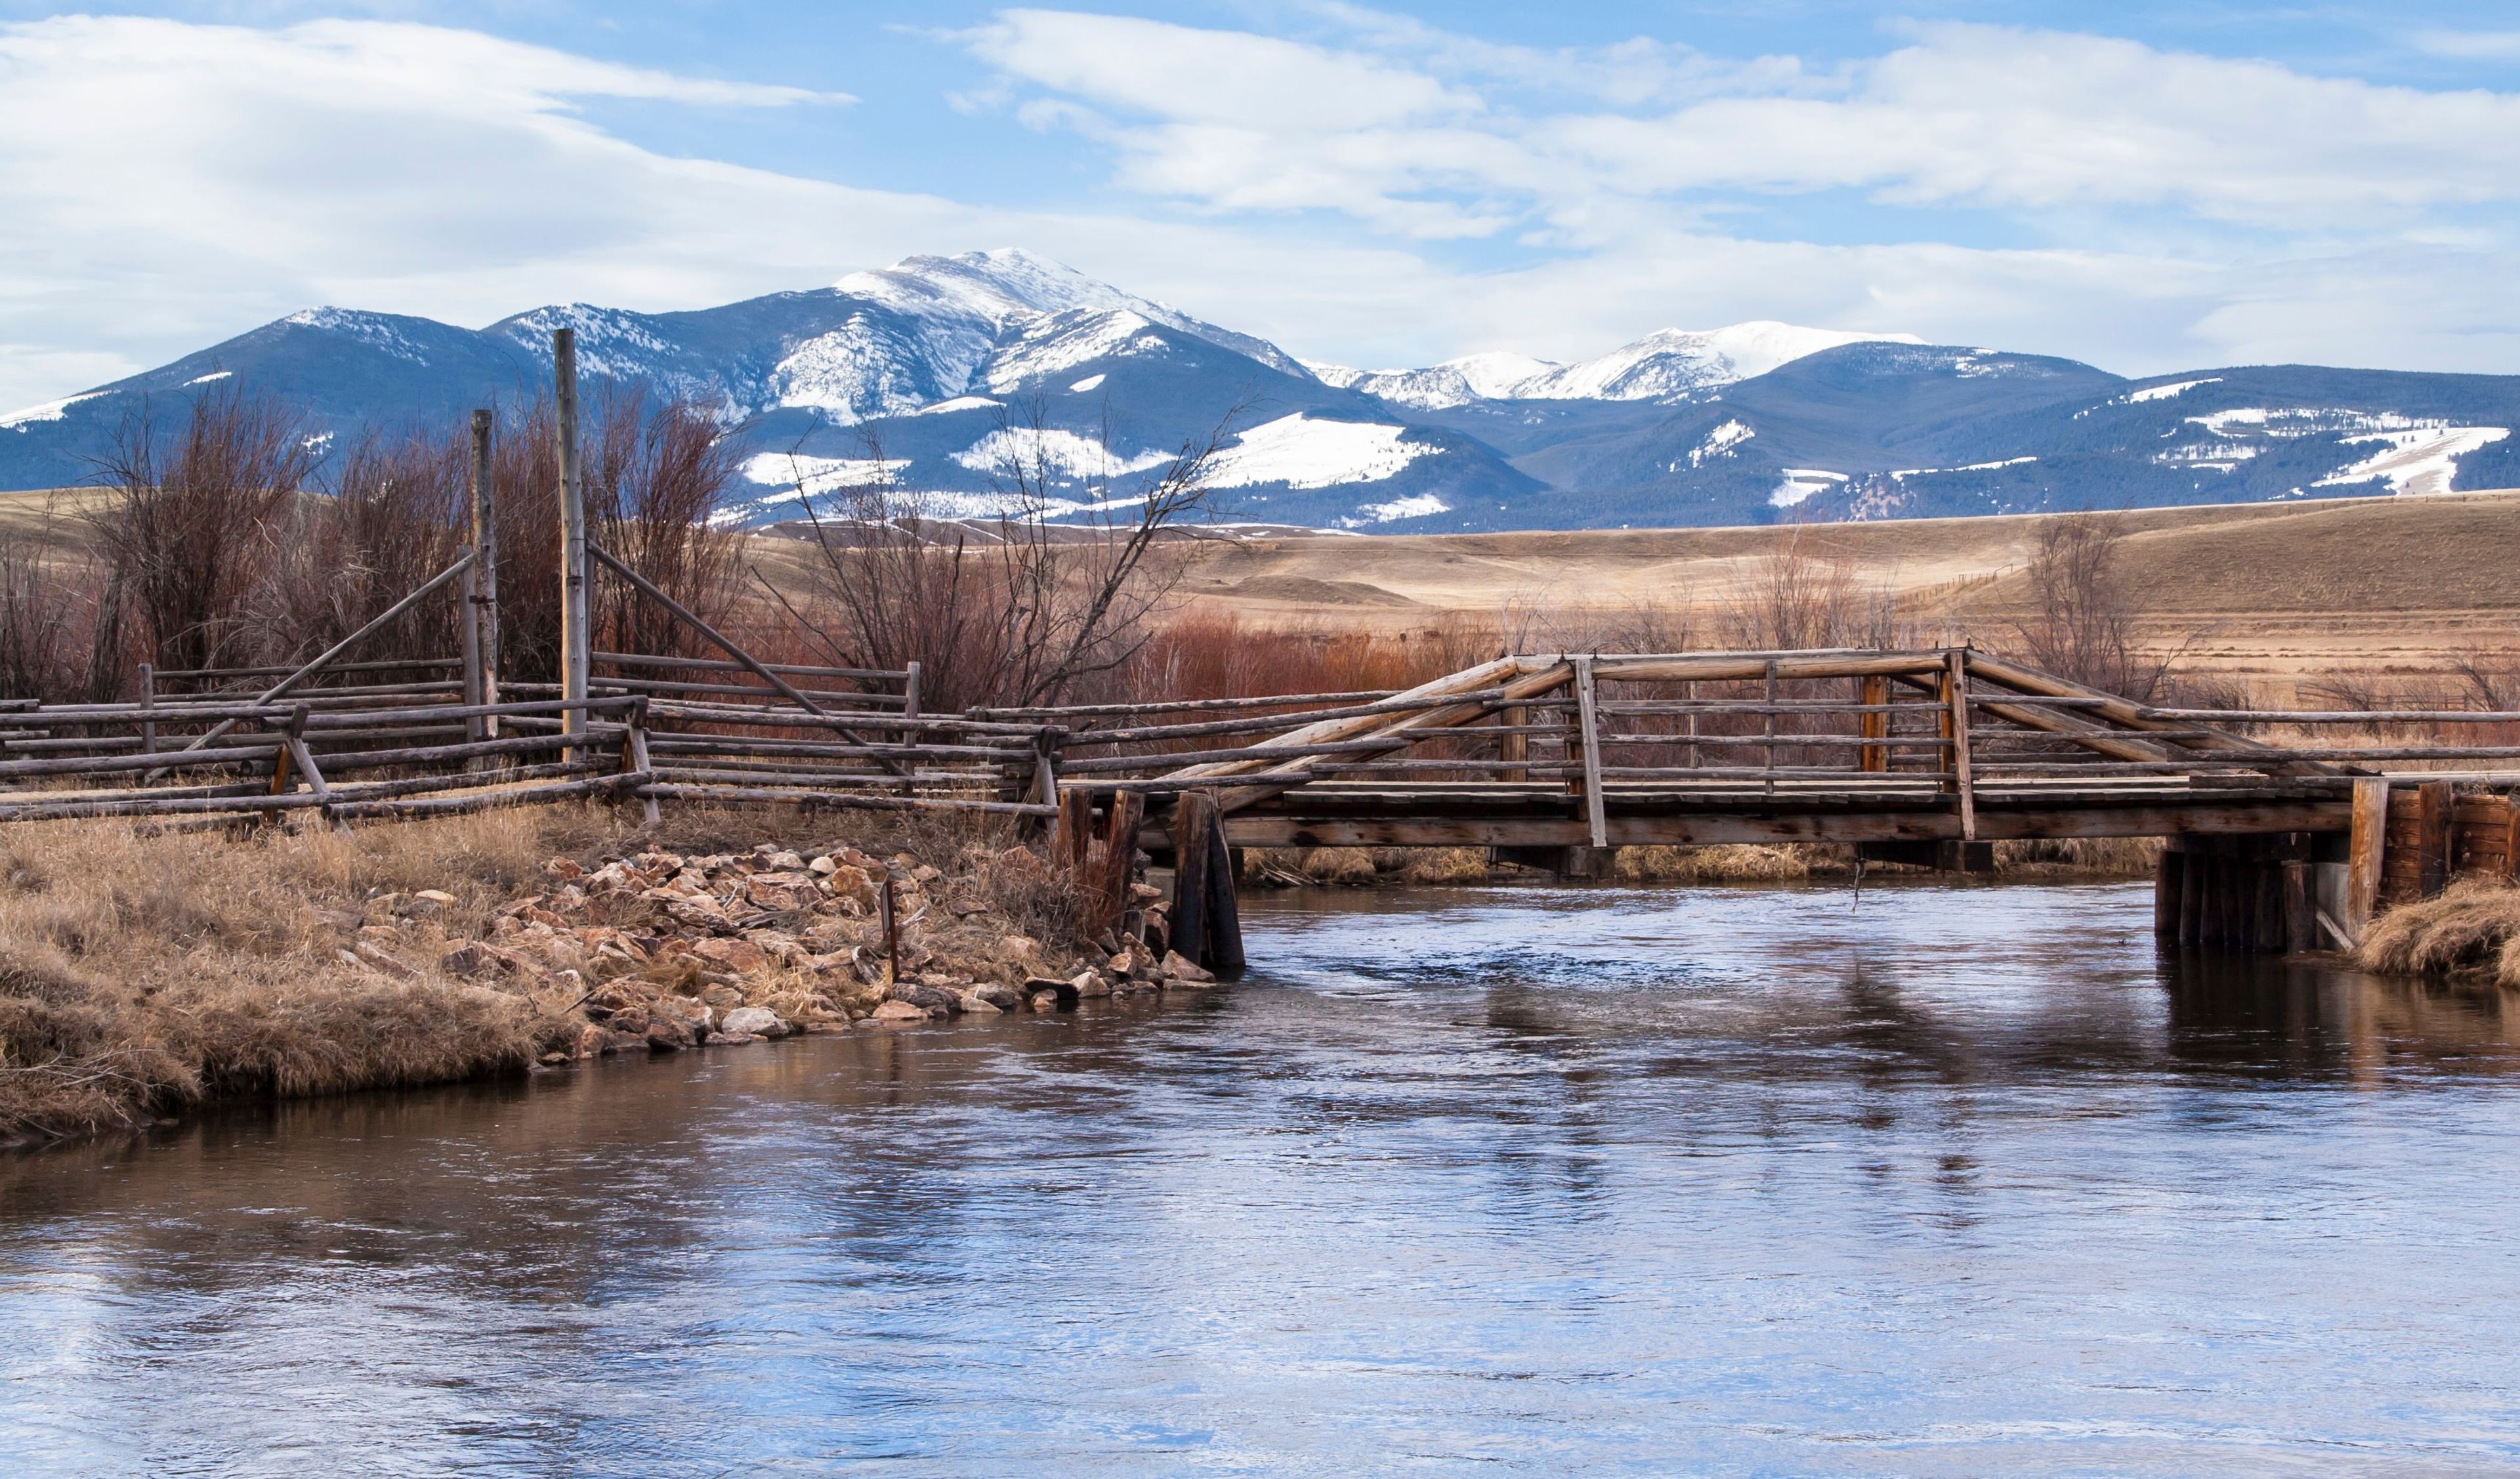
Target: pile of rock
660, 951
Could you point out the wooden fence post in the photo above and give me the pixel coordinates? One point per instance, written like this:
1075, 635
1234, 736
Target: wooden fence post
910, 692
148, 701
481, 615
575, 608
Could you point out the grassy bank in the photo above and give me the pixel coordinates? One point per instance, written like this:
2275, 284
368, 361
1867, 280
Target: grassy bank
2471, 932
145, 972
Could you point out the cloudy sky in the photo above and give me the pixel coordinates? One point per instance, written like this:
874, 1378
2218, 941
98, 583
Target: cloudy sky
2147, 185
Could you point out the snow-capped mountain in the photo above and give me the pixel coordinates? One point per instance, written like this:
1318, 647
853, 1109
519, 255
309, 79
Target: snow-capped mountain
1670, 366
938, 373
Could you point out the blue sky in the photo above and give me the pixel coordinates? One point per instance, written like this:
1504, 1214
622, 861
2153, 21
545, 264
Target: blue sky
2147, 186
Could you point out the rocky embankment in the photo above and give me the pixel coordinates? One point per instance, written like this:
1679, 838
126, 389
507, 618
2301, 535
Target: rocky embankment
660, 953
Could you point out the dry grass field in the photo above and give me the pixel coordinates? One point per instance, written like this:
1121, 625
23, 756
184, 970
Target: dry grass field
2255, 592
2267, 595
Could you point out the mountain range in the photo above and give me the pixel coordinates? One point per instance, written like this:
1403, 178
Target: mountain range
943, 367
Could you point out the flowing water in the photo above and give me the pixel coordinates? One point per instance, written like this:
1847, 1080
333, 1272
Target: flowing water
1949, 1180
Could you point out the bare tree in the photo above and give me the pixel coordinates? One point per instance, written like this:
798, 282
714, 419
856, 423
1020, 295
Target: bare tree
2081, 624
394, 518
1053, 589
1797, 597
184, 526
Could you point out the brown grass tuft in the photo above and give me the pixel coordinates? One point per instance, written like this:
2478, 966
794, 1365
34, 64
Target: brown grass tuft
2472, 928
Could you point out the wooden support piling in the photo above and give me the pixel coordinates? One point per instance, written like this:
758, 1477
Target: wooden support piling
1193, 818
2366, 854
1222, 950
2434, 801
2300, 908
2168, 877
1119, 856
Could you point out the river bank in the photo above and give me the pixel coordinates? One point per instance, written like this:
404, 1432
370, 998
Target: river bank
146, 973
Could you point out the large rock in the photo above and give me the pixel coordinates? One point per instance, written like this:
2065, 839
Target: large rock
667, 1035
924, 997
1182, 968
897, 1015
759, 1021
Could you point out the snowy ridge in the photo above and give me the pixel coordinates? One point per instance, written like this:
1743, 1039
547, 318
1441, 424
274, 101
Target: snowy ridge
1044, 346
1670, 364
379, 331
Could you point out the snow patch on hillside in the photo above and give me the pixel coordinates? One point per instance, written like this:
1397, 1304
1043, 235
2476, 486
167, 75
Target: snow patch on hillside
50, 410
2415, 461
1800, 482
1718, 443
1414, 506
1303, 451
818, 474
2167, 391
958, 403
1058, 453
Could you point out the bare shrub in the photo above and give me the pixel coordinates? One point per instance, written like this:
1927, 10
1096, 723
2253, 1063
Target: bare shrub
1799, 597
395, 519
184, 529
60, 621
2081, 624
654, 478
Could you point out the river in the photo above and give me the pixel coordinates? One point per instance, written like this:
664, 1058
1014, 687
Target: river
1949, 1179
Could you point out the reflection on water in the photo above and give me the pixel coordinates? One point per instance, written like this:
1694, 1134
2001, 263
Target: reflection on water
1947, 1180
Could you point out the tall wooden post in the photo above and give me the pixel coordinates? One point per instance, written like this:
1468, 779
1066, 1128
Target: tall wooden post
470, 595
2366, 850
482, 592
575, 611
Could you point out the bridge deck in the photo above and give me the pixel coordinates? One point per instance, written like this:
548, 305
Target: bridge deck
1458, 813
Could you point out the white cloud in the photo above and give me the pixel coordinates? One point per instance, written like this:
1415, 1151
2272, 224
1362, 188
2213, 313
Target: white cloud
212, 178
1970, 115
